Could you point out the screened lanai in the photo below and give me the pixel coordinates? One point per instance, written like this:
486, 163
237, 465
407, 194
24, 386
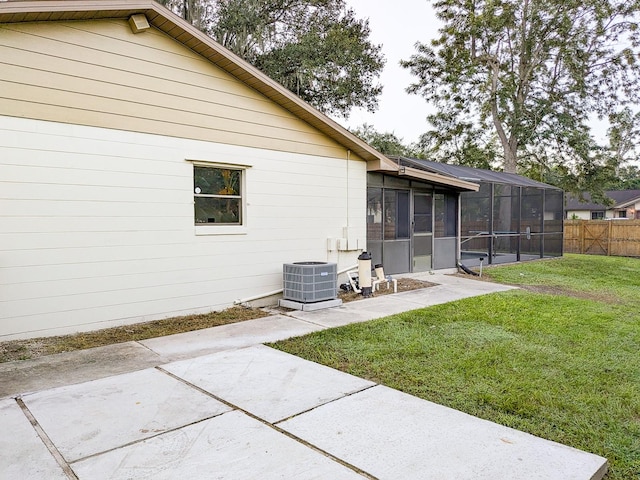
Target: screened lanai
509, 219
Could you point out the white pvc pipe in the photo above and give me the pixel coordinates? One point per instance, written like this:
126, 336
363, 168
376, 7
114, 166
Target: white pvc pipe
345, 270
257, 297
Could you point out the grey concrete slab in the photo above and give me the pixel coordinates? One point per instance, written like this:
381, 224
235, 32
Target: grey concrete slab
23, 455
227, 337
74, 367
357, 311
232, 446
96, 416
392, 435
270, 384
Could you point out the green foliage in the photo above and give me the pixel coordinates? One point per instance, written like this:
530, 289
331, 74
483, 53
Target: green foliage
563, 367
318, 49
527, 75
387, 143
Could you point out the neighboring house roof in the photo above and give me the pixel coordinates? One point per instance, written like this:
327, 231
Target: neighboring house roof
174, 26
472, 174
622, 199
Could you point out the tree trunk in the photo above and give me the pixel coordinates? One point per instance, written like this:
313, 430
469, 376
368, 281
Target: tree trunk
509, 143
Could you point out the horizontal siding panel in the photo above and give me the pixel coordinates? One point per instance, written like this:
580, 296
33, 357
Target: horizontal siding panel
95, 224
147, 183
50, 240
61, 41
192, 281
165, 112
230, 255
255, 257
138, 86
71, 209
28, 109
174, 104
86, 193
213, 291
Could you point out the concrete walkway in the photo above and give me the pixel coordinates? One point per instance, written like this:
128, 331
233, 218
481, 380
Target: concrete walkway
217, 404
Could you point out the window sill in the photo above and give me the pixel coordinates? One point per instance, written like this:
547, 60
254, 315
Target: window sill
220, 230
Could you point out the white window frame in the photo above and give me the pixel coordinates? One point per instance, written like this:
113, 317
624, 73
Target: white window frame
221, 228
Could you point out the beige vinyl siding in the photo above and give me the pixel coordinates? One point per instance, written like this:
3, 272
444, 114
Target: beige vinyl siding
98, 73
97, 228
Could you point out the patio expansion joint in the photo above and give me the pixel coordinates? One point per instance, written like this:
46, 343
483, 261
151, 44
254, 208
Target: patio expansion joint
142, 440
274, 425
55, 453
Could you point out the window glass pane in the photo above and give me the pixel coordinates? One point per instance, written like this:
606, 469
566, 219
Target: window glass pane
396, 214
216, 181
217, 210
505, 209
422, 204
402, 230
422, 213
531, 209
390, 213
553, 211
374, 214
553, 245
475, 211
446, 215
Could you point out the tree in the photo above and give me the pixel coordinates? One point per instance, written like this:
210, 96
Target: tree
318, 49
531, 74
387, 143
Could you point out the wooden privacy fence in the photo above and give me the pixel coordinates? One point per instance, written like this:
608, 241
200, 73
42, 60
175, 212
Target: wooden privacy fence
602, 237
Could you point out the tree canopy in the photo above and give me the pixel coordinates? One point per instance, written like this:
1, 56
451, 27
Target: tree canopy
527, 76
387, 142
318, 49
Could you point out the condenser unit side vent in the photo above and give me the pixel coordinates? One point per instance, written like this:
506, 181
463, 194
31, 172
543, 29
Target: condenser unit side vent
308, 282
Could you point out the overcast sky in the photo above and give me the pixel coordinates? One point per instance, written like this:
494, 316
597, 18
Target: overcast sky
397, 25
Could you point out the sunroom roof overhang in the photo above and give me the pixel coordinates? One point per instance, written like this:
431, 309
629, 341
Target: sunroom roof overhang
389, 166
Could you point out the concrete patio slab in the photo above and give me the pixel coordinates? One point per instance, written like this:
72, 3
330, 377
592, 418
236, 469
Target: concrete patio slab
96, 416
228, 337
231, 446
74, 367
392, 435
270, 384
23, 455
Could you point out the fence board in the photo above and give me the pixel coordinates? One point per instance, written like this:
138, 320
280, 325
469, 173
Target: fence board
602, 237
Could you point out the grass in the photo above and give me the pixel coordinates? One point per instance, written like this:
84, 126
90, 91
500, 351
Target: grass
563, 366
37, 347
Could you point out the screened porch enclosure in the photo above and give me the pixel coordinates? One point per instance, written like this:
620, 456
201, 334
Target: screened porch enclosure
504, 223
412, 226
420, 224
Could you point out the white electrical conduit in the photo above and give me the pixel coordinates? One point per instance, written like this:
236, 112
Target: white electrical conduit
276, 292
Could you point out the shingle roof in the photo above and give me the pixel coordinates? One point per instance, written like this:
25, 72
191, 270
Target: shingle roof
472, 174
621, 198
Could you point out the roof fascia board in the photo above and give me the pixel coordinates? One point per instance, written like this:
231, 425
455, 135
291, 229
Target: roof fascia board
628, 203
439, 179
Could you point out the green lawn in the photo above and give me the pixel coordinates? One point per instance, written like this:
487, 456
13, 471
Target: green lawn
563, 366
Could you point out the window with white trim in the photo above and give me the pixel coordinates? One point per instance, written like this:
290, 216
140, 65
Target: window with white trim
217, 193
